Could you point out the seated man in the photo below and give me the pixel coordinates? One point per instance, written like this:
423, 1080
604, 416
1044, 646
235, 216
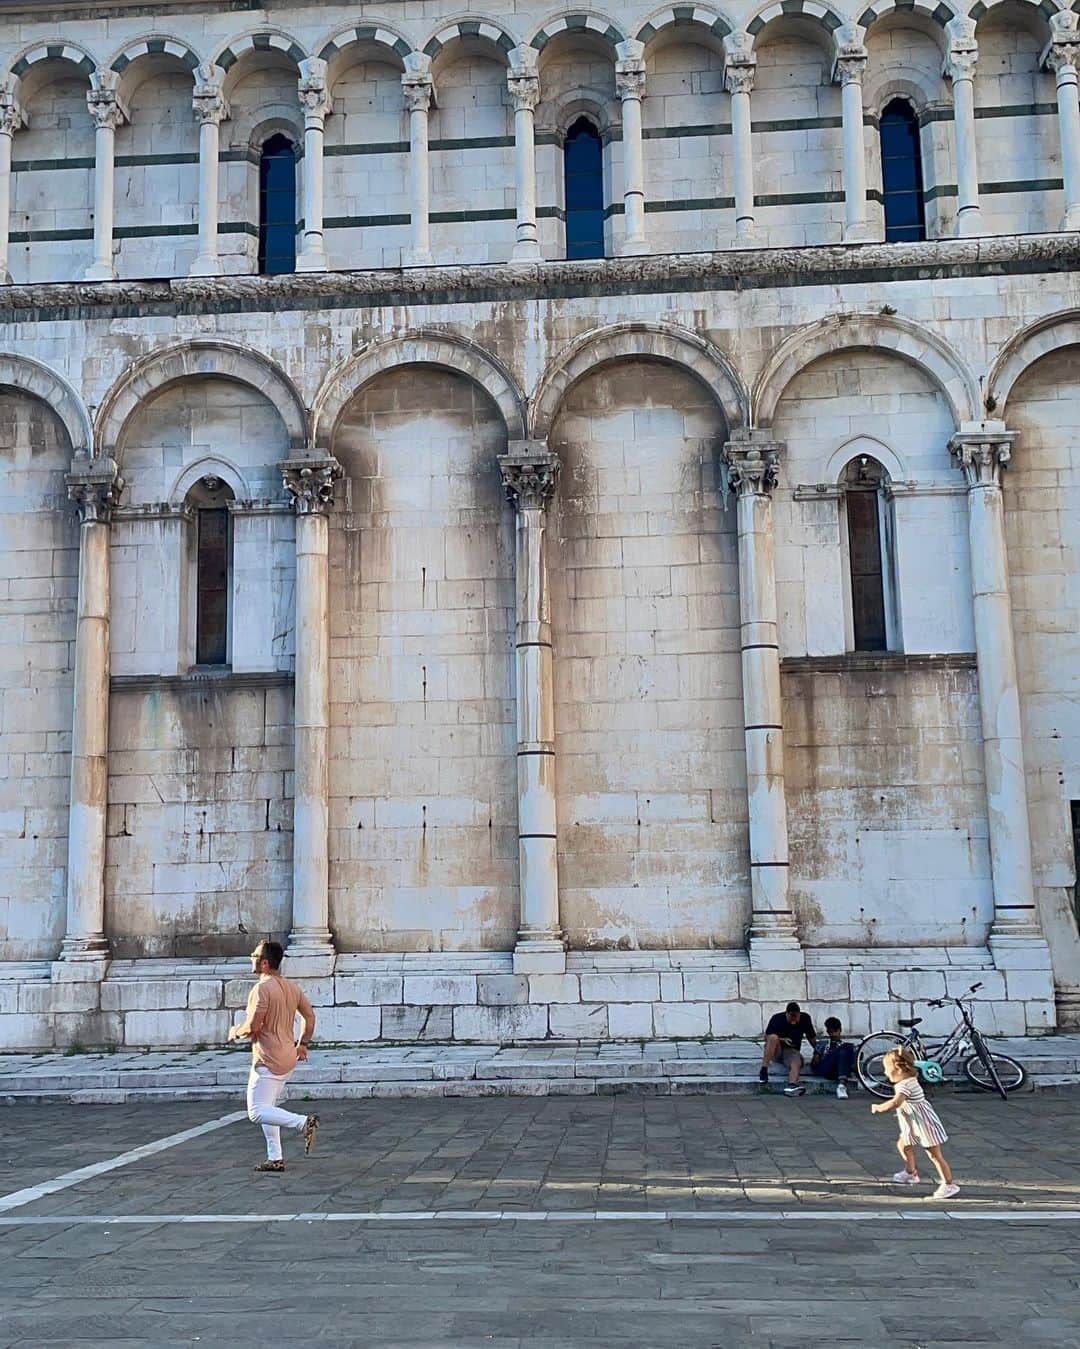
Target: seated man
834, 1059
783, 1039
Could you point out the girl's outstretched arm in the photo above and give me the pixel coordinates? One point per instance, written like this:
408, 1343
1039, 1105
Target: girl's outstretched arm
898, 1099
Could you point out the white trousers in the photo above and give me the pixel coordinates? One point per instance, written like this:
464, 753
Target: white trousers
263, 1093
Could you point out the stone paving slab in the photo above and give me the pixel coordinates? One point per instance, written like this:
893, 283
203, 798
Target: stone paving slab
779, 1277
656, 1067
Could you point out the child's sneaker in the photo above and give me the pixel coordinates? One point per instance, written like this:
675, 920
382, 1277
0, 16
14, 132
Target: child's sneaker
906, 1178
841, 1091
944, 1191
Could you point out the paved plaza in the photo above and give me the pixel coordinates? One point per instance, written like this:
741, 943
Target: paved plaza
623, 1220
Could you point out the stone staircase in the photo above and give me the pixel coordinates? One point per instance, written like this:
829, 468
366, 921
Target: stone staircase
653, 1067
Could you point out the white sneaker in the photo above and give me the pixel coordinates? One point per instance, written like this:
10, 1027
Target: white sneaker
906, 1177
841, 1092
944, 1191
795, 1091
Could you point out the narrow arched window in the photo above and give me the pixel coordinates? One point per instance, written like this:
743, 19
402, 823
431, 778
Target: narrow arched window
208, 502
277, 206
583, 167
901, 173
869, 555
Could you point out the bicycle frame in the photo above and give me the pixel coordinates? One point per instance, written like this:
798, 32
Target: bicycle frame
945, 1051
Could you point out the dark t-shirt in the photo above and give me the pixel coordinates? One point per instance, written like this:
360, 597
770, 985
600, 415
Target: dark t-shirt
791, 1035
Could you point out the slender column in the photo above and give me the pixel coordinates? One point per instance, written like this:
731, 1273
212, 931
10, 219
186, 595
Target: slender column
310, 485
95, 486
108, 113
317, 105
1062, 56
630, 86
848, 67
751, 460
11, 119
740, 64
211, 109
530, 472
524, 85
419, 92
960, 68
982, 450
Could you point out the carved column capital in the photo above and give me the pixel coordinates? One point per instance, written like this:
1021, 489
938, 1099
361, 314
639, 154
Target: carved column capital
1062, 53
751, 463
95, 486
417, 83
630, 69
12, 117
530, 472
524, 89
314, 93
309, 483
209, 102
739, 73
849, 61
104, 103
982, 451
963, 53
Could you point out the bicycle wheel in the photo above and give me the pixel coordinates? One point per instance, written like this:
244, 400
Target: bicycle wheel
869, 1066
994, 1072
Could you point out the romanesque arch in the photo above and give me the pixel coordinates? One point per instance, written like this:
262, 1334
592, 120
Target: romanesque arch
902, 337
1023, 349
489, 31
456, 354
628, 341
70, 52
264, 40
586, 22
365, 34
29, 376
153, 45
937, 10
194, 360
814, 10
700, 17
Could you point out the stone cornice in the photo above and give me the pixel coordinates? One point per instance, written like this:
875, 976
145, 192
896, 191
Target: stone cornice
668, 273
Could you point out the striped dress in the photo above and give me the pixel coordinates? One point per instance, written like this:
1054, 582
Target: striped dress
919, 1122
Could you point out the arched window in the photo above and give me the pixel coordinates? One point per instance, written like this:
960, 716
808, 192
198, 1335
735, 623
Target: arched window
869, 556
901, 173
277, 206
209, 501
583, 168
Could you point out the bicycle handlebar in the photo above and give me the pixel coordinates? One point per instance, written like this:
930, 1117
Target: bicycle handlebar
941, 1002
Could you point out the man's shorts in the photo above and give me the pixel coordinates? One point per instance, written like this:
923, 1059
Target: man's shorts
787, 1056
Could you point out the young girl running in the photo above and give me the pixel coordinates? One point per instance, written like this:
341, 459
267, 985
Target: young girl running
918, 1121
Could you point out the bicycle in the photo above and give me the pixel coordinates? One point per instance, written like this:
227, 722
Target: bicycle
984, 1067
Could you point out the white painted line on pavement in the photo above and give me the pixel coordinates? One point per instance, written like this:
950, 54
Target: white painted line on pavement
20, 1197
554, 1215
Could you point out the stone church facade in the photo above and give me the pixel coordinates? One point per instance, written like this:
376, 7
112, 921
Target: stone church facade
567, 519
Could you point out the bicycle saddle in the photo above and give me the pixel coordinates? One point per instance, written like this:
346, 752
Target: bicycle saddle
910, 1025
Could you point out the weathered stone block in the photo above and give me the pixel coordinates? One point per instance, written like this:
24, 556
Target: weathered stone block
25, 1030
422, 990
90, 1030
347, 1024
144, 995
868, 985
180, 1029
736, 1020
578, 1021
554, 988
417, 1023
676, 1020
630, 1020
205, 994
504, 990
917, 985
827, 986
1027, 986
48, 997
768, 987
367, 990
498, 1024
710, 985
620, 988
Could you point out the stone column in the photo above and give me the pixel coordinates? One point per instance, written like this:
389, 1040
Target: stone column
630, 86
740, 64
11, 119
419, 92
960, 68
211, 109
530, 472
1062, 56
751, 460
95, 486
524, 85
310, 485
317, 105
108, 113
982, 450
848, 67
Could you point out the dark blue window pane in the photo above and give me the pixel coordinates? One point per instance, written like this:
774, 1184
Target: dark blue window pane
277, 207
583, 166
901, 173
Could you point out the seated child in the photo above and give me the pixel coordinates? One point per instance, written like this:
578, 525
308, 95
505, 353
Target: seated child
833, 1058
